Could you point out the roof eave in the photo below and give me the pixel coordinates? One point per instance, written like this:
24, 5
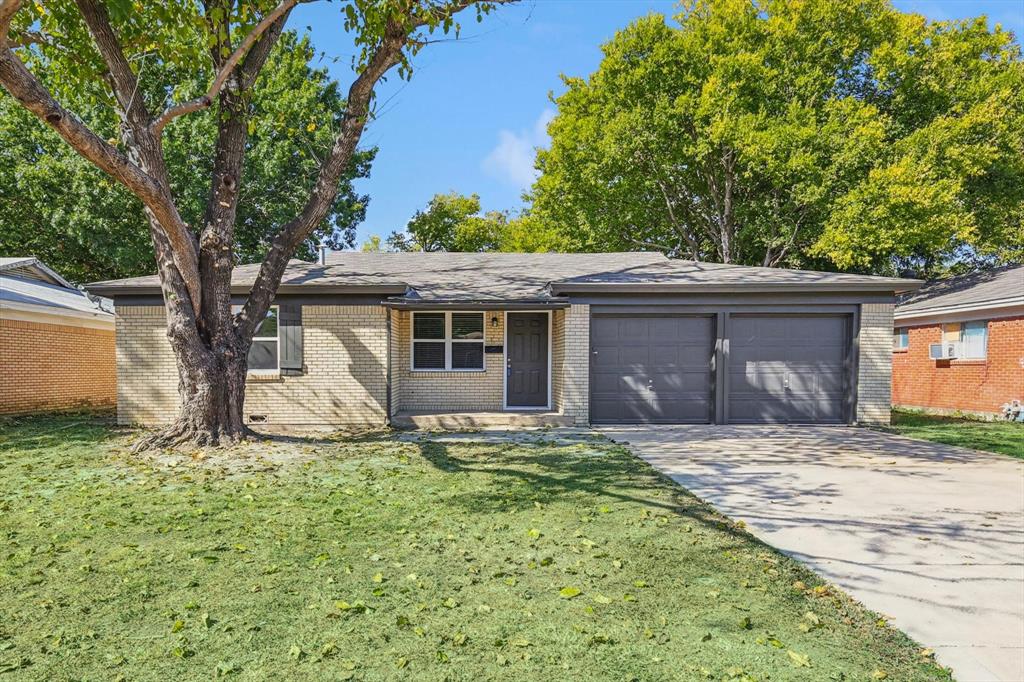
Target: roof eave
116, 291
57, 310
746, 287
979, 306
36, 263
478, 304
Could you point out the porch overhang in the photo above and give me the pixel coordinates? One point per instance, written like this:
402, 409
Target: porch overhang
420, 304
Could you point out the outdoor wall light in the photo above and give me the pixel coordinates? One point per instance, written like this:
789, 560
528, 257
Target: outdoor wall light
494, 321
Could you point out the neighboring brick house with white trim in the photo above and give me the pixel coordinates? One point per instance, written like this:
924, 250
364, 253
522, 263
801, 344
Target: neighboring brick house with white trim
56, 344
977, 320
371, 338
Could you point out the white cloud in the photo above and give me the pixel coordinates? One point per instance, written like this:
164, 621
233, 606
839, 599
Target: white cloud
511, 159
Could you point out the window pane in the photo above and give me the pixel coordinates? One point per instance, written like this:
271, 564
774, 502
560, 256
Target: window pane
428, 325
973, 337
467, 325
263, 355
900, 338
268, 327
467, 356
428, 355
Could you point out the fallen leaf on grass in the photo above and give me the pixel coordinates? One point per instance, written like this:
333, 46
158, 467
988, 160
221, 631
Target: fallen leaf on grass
799, 660
568, 592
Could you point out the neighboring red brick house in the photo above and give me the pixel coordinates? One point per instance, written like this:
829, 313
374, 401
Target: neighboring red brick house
56, 344
981, 316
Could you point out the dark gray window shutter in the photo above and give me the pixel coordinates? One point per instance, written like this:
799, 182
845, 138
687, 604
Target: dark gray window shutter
291, 338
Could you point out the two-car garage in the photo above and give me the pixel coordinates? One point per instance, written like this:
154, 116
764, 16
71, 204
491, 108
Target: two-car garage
721, 366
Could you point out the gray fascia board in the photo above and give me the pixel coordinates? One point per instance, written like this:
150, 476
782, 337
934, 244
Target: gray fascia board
898, 286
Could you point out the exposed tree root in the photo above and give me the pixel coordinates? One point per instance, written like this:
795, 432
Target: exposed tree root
186, 434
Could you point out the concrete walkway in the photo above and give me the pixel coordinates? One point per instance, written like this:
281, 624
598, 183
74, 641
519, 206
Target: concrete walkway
931, 536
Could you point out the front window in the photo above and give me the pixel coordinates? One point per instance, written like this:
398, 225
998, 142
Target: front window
900, 339
448, 341
974, 340
264, 354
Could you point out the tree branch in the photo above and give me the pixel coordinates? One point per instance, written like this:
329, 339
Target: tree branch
122, 78
8, 8
221, 78
147, 146
24, 87
292, 234
215, 254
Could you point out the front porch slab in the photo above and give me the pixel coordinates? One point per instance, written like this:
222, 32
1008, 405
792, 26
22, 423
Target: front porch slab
477, 420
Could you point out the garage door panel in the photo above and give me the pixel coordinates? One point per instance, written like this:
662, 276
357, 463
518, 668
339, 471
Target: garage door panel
787, 368
831, 382
665, 355
651, 369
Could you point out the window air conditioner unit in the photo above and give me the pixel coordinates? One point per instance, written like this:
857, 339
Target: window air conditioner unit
949, 350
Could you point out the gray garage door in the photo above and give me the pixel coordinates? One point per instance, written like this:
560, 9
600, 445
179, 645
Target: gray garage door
651, 369
787, 368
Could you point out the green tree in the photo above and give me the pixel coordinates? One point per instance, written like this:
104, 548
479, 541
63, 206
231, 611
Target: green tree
454, 222
793, 132
59, 207
372, 245
101, 50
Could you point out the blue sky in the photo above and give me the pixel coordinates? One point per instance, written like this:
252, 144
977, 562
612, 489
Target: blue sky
475, 108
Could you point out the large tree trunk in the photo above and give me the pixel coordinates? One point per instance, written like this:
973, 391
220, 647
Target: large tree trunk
211, 389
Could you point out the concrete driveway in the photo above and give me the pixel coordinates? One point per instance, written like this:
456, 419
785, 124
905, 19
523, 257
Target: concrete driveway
931, 536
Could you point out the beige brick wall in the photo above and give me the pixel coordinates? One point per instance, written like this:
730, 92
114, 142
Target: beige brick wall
344, 383
874, 380
446, 391
557, 359
575, 366
49, 367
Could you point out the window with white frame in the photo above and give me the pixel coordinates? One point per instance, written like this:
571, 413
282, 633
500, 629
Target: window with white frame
447, 341
901, 339
264, 354
974, 340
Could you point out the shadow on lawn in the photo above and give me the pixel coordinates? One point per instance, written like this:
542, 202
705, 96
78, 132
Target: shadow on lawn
571, 475
69, 430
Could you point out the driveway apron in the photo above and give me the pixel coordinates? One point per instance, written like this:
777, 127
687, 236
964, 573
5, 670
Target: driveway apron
931, 536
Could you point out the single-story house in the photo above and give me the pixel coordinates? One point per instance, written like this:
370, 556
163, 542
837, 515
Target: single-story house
958, 343
371, 338
56, 344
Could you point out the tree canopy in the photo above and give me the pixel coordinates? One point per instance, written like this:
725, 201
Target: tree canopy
59, 207
794, 133
455, 222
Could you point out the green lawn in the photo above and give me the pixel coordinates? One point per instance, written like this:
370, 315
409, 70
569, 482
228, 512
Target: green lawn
1001, 436
372, 558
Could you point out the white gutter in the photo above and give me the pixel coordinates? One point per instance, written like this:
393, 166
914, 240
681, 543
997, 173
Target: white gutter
44, 314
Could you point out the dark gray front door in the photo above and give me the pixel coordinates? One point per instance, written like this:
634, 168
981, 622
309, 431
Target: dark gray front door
651, 369
527, 353
787, 368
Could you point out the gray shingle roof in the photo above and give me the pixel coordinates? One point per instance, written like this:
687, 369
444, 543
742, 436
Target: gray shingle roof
30, 267
685, 275
442, 276
27, 294
310, 277
526, 277
1000, 286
